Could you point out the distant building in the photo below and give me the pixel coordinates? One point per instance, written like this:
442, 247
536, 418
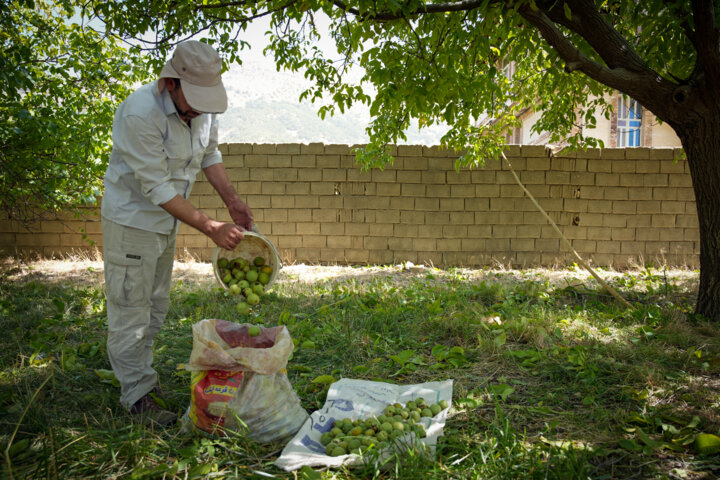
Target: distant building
629, 125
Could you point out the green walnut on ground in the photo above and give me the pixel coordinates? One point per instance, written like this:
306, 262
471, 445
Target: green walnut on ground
246, 279
359, 436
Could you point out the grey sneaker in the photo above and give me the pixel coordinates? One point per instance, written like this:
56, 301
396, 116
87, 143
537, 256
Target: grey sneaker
150, 412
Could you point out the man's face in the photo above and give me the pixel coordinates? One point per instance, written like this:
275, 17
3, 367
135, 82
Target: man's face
185, 111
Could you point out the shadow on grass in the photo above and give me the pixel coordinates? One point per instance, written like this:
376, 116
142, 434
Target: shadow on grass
549, 381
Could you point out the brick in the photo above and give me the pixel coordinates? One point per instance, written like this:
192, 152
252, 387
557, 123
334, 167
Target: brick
477, 204
686, 221
287, 148
575, 205
679, 180
638, 153
670, 166
234, 175
334, 175
612, 153
483, 176
431, 204
261, 174
623, 207
655, 180
501, 204
647, 234
672, 235
384, 175
407, 177
449, 245
410, 150
389, 189
639, 220
663, 221
490, 191
321, 215
660, 193
412, 217
582, 178
479, 231
616, 193
618, 221
322, 188
607, 179
672, 207
239, 148
436, 218
510, 191
599, 166
557, 178
647, 166
505, 177
332, 229
381, 230
608, 247
311, 254
536, 163
456, 178
329, 162
307, 201
510, 218
437, 191
618, 234
632, 180
460, 218
415, 163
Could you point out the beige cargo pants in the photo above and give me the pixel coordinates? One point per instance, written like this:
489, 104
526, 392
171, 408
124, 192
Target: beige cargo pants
138, 270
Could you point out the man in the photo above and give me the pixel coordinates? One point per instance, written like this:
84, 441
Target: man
163, 134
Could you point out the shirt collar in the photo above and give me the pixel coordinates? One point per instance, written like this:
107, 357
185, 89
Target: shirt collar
163, 95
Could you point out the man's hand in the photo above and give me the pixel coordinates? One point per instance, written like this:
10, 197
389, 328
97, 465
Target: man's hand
241, 214
227, 236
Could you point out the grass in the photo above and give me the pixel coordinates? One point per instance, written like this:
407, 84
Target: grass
553, 378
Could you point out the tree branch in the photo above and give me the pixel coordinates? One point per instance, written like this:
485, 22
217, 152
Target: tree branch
432, 8
707, 38
641, 85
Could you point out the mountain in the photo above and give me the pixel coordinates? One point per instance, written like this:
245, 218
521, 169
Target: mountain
264, 107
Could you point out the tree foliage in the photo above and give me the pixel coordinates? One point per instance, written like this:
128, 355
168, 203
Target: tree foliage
436, 62
60, 82
439, 62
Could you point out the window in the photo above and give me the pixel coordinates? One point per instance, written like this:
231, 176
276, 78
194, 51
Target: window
629, 121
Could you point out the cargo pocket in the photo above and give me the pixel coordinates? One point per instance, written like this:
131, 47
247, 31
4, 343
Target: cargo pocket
124, 279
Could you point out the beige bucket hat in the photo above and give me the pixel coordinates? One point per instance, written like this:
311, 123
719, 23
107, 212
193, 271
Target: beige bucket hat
198, 66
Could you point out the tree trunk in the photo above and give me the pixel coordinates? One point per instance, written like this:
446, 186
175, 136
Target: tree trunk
702, 147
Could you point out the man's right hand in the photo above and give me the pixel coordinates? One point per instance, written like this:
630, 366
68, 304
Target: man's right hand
227, 236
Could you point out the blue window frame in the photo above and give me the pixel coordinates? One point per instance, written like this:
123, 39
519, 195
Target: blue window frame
629, 122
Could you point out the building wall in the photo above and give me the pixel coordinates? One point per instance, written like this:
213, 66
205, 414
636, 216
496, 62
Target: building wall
617, 206
654, 133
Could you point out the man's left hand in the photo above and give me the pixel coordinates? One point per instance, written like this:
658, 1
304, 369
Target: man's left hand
241, 214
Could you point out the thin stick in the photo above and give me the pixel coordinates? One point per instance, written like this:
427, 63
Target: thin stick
582, 262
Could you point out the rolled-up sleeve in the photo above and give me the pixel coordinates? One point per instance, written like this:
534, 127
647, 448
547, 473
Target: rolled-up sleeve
212, 153
141, 147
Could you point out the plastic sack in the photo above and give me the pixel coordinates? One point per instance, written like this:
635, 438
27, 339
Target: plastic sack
239, 382
351, 398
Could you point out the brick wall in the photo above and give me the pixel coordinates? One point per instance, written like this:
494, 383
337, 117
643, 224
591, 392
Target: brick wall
617, 207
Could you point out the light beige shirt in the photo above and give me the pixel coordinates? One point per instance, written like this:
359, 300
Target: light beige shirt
155, 157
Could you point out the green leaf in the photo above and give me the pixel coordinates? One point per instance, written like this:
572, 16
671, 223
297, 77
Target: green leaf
307, 473
324, 379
